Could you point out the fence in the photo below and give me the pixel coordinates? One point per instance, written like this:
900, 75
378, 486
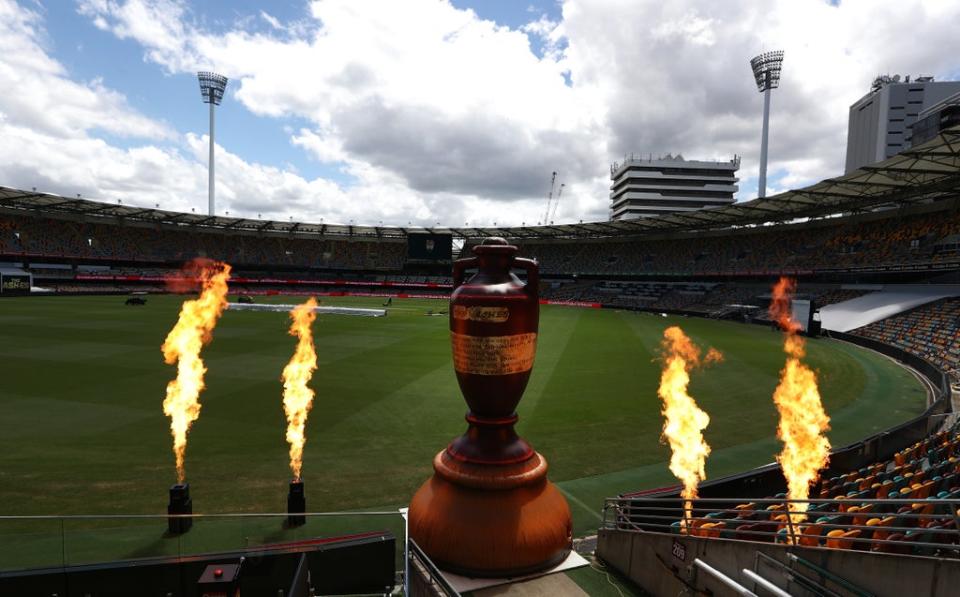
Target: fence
45, 542
905, 526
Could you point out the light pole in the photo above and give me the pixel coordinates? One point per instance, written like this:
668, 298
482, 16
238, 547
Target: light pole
212, 87
766, 70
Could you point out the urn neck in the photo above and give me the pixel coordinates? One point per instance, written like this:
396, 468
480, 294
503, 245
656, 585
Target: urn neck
495, 260
495, 265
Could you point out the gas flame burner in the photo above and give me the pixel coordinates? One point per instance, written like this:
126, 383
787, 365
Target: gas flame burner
180, 503
296, 504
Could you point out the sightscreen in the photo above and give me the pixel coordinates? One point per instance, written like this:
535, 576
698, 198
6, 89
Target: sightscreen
430, 247
801, 313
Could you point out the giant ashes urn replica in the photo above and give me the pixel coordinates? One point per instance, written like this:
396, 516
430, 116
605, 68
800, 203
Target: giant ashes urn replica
489, 510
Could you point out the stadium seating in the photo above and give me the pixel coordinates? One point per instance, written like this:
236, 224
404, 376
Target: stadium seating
824, 246
925, 473
47, 237
696, 297
931, 332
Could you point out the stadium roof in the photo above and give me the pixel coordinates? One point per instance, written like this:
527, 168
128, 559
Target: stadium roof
921, 174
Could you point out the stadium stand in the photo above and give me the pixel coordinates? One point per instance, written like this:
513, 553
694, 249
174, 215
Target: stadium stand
819, 246
884, 301
931, 332
54, 238
906, 504
703, 298
884, 241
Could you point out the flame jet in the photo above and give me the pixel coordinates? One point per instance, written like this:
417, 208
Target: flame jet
802, 418
182, 346
684, 420
297, 397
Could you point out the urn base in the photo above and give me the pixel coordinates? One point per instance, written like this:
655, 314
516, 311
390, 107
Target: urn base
484, 520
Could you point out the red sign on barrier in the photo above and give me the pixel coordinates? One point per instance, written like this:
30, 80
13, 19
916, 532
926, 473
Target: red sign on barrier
245, 280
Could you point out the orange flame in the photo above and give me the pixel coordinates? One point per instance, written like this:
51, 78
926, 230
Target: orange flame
684, 420
802, 418
182, 346
297, 397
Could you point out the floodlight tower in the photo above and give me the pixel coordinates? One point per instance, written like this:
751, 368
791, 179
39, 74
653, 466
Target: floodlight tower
212, 87
766, 71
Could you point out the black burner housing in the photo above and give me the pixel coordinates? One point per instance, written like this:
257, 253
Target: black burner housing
296, 504
180, 503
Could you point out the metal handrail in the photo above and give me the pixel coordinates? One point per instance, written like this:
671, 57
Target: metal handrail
661, 515
807, 583
846, 584
434, 575
165, 516
766, 584
724, 579
783, 500
66, 524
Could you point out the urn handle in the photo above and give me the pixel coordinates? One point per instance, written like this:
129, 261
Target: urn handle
460, 266
533, 274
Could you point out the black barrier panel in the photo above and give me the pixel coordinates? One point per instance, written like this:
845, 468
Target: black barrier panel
349, 566
300, 585
364, 565
35, 585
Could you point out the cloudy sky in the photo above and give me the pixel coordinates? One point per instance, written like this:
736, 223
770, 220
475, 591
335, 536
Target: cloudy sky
430, 111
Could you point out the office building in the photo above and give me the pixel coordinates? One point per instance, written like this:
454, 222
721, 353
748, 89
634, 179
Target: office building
880, 124
646, 186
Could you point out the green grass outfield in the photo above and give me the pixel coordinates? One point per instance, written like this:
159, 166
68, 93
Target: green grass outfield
82, 380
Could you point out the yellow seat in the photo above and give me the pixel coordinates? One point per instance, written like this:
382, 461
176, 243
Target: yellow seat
810, 535
880, 533
862, 514
838, 539
709, 529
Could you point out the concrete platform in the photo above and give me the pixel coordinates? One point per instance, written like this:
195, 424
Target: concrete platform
504, 586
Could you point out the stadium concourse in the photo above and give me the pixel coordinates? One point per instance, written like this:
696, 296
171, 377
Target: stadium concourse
891, 497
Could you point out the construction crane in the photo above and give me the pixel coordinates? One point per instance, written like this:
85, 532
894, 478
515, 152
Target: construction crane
556, 203
553, 182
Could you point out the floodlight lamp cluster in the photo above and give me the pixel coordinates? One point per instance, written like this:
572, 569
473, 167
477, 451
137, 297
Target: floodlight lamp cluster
212, 87
766, 69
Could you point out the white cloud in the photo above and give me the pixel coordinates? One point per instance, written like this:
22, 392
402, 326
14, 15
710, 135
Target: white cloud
688, 27
39, 93
438, 114
271, 20
449, 104
687, 87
